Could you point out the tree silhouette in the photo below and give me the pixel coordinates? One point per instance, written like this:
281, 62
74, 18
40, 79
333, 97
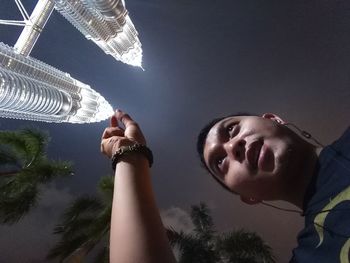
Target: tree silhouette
205, 245
24, 166
85, 225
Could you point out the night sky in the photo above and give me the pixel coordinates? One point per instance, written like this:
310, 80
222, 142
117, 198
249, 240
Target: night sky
202, 59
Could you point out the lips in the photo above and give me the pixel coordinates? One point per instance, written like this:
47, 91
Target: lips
253, 154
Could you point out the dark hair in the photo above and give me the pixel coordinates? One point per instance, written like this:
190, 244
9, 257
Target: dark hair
202, 137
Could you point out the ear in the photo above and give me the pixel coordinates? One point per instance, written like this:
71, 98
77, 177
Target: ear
250, 200
273, 117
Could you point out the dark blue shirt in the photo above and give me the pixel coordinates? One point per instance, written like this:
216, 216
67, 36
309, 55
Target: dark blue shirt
326, 236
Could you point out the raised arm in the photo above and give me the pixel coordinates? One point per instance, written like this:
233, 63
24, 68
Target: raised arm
137, 232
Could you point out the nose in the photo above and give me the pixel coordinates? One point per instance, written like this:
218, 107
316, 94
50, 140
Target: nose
235, 148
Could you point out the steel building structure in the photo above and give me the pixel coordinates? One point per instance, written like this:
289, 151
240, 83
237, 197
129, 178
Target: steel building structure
33, 90
107, 23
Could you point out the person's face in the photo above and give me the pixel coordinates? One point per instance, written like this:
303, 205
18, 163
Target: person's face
248, 154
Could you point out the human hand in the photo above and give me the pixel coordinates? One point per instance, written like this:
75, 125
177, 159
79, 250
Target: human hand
116, 136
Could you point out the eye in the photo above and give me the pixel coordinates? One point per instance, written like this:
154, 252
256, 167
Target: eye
220, 162
232, 129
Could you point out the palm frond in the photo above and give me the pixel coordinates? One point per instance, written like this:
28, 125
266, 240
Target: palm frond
86, 215
192, 249
75, 227
36, 141
16, 142
175, 237
244, 245
102, 256
19, 193
203, 222
102, 223
16, 200
9, 158
85, 223
197, 251
28, 144
206, 246
77, 256
46, 170
85, 205
25, 167
67, 247
106, 187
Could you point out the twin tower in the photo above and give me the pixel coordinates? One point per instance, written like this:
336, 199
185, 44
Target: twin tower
33, 90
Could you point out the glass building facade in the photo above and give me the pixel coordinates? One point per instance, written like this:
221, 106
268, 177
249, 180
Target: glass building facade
33, 90
107, 23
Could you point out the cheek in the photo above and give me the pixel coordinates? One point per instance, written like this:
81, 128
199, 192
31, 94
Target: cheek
247, 183
237, 176
283, 152
279, 149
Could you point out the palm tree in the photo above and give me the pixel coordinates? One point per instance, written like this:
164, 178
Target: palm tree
205, 245
85, 225
23, 168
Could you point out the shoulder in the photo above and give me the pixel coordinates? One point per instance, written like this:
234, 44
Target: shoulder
344, 138
342, 145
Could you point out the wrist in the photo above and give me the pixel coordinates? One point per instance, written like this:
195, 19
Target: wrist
132, 153
134, 160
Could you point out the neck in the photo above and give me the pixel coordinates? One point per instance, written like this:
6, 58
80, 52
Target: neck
297, 185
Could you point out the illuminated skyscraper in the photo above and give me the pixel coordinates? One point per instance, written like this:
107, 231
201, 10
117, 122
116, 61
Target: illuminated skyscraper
107, 23
33, 90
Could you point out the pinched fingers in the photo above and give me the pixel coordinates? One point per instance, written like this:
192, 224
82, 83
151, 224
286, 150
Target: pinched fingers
112, 131
113, 121
124, 118
115, 137
132, 129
